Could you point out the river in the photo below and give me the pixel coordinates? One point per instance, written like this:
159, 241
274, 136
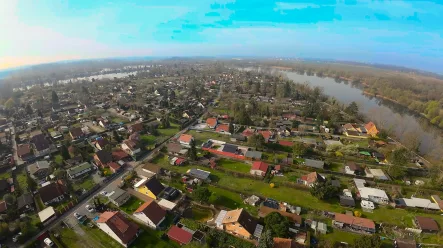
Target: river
402, 122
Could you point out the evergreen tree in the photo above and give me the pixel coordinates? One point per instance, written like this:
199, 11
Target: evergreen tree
266, 240
193, 151
54, 97
116, 136
231, 128
65, 153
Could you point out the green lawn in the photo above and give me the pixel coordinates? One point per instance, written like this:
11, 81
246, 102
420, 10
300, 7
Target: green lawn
229, 199
98, 236
39, 202
70, 239
58, 159
273, 157
234, 165
168, 132
201, 214
5, 175
131, 205
22, 180
86, 183
150, 238
161, 159
201, 137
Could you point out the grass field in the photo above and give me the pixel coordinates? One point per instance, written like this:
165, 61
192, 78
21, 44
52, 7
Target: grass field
86, 183
22, 180
131, 205
202, 137
5, 175
234, 165
168, 132
99, 237
150, 238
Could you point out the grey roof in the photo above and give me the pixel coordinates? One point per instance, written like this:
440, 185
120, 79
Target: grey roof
253, 154
314, 163
79, 168
197, 173
230, 148
347, 201
25, 199
32, 168
118, 195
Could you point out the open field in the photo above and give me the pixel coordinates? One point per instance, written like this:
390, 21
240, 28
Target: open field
234, 165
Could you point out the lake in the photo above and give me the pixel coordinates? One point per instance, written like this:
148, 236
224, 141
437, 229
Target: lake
389, 115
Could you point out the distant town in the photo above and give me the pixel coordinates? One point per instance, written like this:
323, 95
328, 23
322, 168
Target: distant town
203, 154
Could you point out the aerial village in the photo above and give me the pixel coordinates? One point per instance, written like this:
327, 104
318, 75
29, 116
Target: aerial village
188, 155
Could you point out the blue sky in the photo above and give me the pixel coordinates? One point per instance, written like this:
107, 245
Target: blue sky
396, 32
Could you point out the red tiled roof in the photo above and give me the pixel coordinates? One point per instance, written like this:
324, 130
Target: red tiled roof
266, 134
3, 206
426, 223
23, 149
120, 226
152, 210
179, 235
369, 125
311, 177
356, 221
222, 127
248, 132
285, 143
260, 165
179, 161
137, 127
282, 243
114, 165
186, 138
211, 122
119, 155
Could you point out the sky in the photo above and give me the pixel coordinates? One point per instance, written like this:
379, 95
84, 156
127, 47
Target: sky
404, 33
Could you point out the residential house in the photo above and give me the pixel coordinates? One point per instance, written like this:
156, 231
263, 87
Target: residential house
347, 201
415, 202
426, 224
24, 151
53, 192
253, 155
119, 154
223, 128
151, 214
370, 194
185, 139
25, 203
152, 169
137, 127
5, 187
39, 170
259, 168
41, 144
268, 135
118, 227
240, 223
102, 158
150, 187
371, 129
294, 218
73, 161
100, 143
176, 149
283, 243
118, 196
199, 174
353, 169
47, 215
179, 235
130, 147
76, 133
114, 167
314, 163
355, 223
311, 179
211, 122
79, 170
248, 132
286, 143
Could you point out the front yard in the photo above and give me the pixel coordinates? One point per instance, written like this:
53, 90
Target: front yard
86, 183
131, 205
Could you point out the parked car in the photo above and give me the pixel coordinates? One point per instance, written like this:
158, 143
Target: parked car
90, 209
77, 215
48, 242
